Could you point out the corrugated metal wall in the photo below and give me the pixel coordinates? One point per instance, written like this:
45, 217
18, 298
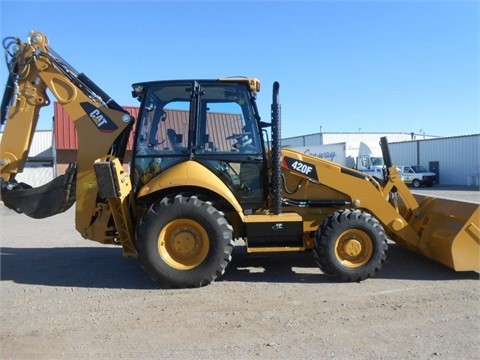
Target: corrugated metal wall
458, 157
304, 140
404, 153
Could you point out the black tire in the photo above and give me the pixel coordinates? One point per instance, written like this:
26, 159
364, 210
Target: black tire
416, 183
184, 242
350, 245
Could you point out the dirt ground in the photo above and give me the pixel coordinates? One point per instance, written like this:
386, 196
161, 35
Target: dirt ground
63, 297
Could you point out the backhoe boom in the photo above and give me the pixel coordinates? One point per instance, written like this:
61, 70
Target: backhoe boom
102, 128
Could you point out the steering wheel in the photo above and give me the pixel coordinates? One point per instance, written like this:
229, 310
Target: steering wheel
238, 137
244, 142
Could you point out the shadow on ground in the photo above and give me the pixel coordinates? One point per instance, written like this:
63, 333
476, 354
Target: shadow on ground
401, 264
95, 267
92, 267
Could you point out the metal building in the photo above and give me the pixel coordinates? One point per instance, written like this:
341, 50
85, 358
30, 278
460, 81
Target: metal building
455, 160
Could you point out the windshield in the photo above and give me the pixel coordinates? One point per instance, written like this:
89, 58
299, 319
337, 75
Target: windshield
377, 161
418, 169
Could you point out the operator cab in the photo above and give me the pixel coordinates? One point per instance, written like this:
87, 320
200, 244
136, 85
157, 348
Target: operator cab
213, 122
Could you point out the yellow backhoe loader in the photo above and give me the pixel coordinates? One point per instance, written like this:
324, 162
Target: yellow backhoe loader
204, 173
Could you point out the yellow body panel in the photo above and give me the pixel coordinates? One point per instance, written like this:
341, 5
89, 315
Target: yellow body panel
191, 173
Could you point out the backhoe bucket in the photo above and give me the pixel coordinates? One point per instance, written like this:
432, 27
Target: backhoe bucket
44, 201
449, 232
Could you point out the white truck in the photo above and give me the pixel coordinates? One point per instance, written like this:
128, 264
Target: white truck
354, 154
416, 175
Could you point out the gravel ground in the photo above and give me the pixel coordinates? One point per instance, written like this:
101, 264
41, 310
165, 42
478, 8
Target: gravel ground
63, 297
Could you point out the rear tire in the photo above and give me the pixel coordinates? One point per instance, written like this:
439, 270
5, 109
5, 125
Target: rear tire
416, 183
184, 242
350, 245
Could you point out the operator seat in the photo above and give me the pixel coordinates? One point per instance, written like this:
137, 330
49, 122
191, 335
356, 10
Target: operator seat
173, 138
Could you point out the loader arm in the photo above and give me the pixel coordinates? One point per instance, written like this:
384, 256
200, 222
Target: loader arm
443, 230
364, 192
102, 128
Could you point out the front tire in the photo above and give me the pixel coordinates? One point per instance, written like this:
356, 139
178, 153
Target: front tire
184, 242
416, 183
350, 245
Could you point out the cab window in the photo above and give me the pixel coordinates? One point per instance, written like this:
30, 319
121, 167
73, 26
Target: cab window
227, 122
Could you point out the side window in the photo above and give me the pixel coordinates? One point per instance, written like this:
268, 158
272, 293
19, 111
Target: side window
223, 121
365, 162
164, 129
228, 130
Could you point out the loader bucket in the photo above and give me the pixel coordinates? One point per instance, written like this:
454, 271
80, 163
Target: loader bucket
449, 232
44, 201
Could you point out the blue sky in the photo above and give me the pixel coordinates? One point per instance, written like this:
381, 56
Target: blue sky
345, 66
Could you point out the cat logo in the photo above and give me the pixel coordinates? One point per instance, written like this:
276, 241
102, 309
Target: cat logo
99, 118
278, 226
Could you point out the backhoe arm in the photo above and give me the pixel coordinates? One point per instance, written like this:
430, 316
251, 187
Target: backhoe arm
102, 127
25, 97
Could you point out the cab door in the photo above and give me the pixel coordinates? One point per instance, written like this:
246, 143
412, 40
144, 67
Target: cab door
228, 141
408, 174
211, 122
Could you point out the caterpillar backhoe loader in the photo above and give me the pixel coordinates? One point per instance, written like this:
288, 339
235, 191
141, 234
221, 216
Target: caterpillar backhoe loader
205, 174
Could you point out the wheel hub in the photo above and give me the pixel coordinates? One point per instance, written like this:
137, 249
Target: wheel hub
183, 244
352, 247
185, 241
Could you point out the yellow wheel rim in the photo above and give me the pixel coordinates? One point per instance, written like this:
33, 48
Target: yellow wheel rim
183, 244
353, 248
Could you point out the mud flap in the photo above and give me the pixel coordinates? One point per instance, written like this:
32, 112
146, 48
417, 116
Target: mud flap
44, 201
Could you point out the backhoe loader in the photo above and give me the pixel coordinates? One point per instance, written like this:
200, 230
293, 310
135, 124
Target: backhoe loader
205, 174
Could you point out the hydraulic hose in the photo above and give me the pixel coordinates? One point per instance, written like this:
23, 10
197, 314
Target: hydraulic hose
7, 97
